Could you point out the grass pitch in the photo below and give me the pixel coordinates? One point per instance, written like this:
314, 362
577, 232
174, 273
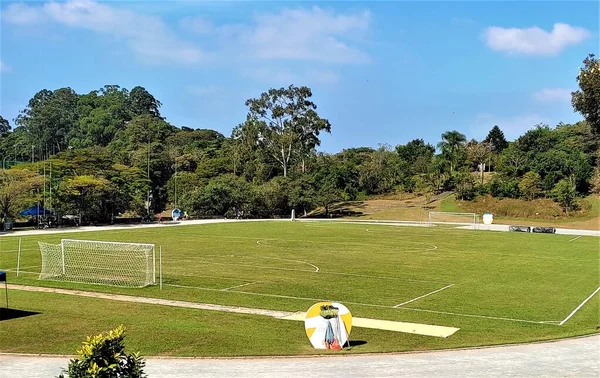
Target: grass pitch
497, 287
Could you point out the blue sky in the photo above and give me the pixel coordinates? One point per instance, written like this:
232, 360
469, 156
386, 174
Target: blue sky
381, 72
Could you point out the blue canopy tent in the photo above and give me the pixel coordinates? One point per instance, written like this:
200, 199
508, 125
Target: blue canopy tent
35, 211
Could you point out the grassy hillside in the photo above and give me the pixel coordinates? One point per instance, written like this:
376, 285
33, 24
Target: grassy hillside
543, 212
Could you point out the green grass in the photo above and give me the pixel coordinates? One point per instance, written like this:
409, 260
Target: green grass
527, 278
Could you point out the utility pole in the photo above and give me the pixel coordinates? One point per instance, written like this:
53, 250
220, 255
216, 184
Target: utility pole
148, 176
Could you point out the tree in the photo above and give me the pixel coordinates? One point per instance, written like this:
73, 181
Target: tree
451, 145
587, 99
84, 194
102, 114
380, 173
17, 190
496, 138
464, 184
141, 102
438, 174
512, 160
50, 117
480, 152
302, 193
104, 356
4, 126
530, 185
417, 154
289, 122
565, 194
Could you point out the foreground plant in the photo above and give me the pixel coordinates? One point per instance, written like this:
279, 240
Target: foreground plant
103, 356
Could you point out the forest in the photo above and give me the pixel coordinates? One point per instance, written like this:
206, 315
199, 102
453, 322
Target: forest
111, 154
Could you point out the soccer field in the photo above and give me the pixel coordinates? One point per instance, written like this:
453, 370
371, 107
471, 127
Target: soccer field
496, 287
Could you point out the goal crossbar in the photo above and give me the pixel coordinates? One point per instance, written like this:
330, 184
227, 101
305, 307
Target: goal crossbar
452, 217
99, 262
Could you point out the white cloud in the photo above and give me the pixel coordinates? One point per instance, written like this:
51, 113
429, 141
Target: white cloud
313, 34
553, 95
534, 41
323, 37
147, 36
22, 14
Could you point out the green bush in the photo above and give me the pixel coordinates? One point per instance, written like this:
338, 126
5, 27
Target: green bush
103, 356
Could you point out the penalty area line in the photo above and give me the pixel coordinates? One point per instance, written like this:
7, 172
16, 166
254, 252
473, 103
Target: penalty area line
423, 296
575, 238
580, 306
236, 286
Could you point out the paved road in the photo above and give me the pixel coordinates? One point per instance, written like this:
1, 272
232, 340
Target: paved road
578, 357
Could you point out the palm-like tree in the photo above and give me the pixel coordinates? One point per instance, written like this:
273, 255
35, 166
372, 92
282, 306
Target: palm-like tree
452, 142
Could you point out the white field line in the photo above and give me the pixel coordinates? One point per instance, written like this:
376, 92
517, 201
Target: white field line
551, 322
379, 277
423, 296
257, 266
236, 286
476, 316
575, 238
21, 271
317, 270
275, 295
420, 329
23, 267
578, 307
155, 301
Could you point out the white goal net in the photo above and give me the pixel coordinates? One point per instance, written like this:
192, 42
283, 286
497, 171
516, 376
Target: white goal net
98, 262
453, 218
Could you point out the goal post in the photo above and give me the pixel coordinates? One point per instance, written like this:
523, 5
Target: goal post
99, 262
449, 217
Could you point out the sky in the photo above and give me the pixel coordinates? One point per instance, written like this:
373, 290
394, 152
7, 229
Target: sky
382, 72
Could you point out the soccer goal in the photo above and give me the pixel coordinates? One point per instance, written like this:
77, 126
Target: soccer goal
99, 262
447, 217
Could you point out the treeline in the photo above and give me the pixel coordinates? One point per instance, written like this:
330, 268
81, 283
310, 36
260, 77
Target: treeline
111, 152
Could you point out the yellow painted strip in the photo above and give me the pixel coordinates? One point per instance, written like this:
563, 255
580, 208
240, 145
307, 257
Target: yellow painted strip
295, 316
389, 325
416, 328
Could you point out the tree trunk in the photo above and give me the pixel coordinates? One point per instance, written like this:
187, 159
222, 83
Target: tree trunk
283, 162
482, 173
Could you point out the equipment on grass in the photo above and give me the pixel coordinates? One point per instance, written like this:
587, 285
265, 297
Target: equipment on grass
544, 230
519, 228
99, 262
467, 219
328, 325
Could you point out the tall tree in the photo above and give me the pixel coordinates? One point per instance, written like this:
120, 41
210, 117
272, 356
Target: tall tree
417, 154
289, 122
17, 188
480, 152
49, 118
496, 138
451, 145
4, 126
587, 99
141, 102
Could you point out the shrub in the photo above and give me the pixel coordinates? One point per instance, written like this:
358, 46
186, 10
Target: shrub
103, 356
564, 193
